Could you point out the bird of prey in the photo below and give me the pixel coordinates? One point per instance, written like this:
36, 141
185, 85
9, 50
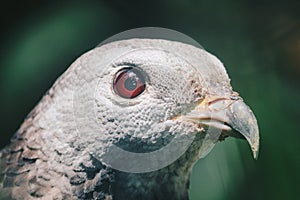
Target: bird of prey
127, 120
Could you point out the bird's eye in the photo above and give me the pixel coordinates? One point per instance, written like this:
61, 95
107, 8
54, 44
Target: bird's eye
129, 83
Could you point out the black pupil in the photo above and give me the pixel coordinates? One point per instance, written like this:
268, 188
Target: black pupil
130, 83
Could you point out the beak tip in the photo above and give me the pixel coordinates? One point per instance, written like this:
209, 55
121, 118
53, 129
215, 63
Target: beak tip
254, 144
255, 153
255, 149
243, 120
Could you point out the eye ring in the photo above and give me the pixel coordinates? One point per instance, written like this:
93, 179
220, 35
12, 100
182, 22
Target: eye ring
129, 83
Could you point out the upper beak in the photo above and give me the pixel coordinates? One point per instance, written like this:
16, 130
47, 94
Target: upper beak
229, 115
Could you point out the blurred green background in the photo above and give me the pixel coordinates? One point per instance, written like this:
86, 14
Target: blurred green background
258, 41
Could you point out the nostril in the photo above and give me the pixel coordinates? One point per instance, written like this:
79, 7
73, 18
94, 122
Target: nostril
235, 96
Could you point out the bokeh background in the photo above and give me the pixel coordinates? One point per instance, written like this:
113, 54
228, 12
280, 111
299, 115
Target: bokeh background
258, 41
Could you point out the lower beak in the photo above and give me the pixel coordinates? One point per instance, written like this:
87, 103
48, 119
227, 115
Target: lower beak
232, 117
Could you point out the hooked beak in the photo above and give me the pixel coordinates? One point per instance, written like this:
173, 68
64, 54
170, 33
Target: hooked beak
229, 115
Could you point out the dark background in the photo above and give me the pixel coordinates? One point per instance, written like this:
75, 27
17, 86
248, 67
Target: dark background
258, 41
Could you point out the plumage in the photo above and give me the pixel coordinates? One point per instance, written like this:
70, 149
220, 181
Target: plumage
63, 150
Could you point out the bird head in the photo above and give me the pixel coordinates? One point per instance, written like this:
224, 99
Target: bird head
140, 104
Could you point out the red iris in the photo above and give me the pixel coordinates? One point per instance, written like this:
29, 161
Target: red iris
129, 83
